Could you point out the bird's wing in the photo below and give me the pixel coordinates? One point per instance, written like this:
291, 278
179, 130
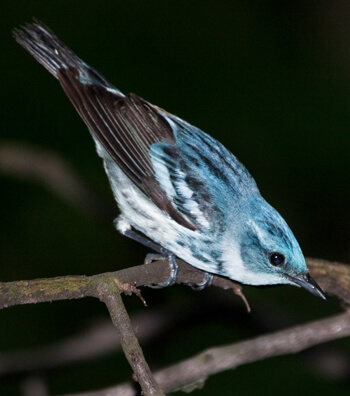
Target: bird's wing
141, 139
126, 126
183, 171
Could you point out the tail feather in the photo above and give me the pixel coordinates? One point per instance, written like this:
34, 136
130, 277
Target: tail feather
42, 43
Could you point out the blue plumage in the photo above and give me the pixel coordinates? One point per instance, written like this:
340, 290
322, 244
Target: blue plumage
173, 183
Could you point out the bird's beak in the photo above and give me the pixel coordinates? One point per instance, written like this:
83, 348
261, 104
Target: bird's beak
309, 284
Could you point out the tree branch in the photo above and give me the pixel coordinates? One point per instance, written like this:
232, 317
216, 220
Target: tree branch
110, 295
216, 360
107, 288
193, 372
73, 287
333, 277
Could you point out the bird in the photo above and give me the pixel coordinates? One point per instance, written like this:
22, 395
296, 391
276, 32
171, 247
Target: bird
180, 192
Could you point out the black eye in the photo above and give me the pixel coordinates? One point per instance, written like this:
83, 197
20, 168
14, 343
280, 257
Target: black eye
277, 259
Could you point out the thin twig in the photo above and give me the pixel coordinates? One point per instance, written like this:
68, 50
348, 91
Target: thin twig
110, 294
193, 372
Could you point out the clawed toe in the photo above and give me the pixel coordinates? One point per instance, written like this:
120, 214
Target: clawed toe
208, 280
173, 268
155, 257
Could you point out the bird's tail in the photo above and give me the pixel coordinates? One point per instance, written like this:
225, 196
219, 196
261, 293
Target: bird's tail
53, 54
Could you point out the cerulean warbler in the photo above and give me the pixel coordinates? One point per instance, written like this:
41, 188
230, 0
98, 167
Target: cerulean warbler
182, 191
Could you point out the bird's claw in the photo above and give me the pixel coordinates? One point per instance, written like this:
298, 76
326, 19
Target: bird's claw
174, 268
208, 280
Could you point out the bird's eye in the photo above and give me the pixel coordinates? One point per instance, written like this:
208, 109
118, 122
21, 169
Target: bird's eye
277, 259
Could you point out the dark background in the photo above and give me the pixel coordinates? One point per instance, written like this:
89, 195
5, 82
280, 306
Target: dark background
270, 80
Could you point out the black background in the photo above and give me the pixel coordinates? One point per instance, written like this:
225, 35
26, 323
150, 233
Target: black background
270, 80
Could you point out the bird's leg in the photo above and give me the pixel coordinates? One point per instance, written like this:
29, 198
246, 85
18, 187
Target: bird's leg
124, 228
162, 254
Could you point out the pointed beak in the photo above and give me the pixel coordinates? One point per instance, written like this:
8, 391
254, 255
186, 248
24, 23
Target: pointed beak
309, 284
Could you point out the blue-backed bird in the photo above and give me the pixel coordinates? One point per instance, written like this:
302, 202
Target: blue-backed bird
180, 192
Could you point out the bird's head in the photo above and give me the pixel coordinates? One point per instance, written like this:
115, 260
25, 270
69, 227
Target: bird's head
269, 252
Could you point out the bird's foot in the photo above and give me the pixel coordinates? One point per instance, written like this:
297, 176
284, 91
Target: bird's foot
207, 281
173, 268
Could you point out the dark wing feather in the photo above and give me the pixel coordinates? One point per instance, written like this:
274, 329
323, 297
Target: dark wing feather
126, 127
